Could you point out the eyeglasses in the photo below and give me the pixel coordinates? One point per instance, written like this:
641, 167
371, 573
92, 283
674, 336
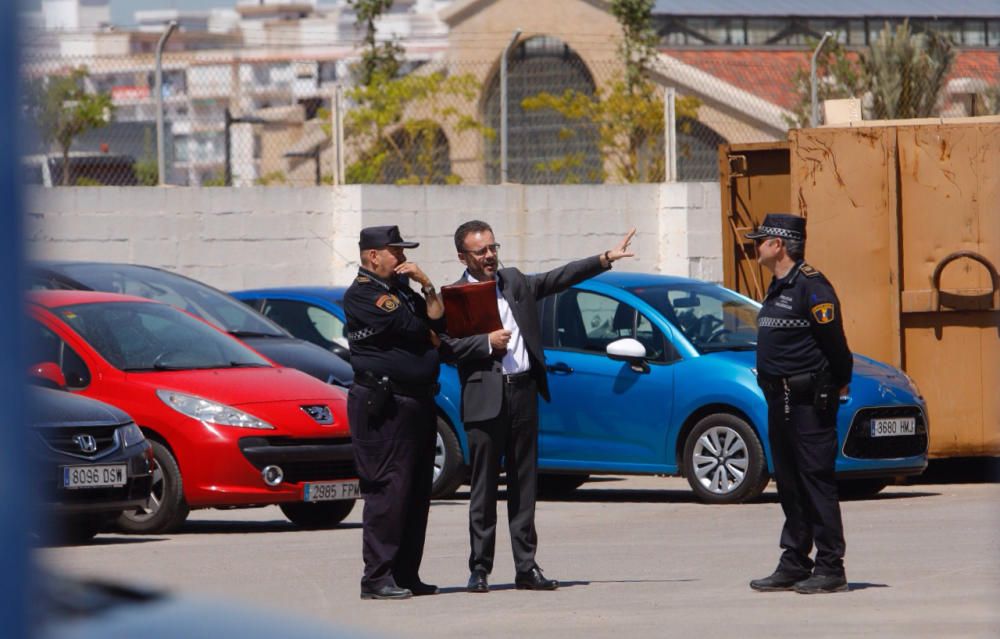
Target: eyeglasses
494, 248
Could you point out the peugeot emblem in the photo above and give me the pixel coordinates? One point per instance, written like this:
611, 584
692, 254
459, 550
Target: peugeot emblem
320, 412
87, 443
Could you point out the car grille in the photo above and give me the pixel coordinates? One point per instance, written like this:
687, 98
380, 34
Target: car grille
61, 440
302, 459
861, 445
296, 472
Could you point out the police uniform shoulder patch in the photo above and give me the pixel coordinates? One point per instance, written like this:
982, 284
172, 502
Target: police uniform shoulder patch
809, 271
362, 279
387, 303
823, 313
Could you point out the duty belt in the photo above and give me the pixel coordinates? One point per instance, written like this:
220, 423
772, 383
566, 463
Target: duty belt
369, 379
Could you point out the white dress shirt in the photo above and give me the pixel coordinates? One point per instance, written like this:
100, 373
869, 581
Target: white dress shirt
515, 360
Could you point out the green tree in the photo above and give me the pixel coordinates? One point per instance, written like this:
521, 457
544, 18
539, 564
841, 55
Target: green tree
395, 127
377, 59
63, 110
147, 170
900, 75
628, 115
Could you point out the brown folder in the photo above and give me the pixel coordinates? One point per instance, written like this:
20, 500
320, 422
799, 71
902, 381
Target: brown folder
471, 309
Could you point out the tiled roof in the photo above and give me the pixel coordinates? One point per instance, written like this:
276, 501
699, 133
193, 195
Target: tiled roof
769, 73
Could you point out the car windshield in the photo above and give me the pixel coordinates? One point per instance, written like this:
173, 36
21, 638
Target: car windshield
194, 297
711, 317
141, 336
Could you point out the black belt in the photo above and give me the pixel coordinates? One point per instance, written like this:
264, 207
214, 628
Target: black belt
799, 383
369, 379
517, 378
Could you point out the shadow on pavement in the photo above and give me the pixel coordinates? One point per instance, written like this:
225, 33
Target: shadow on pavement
223, 527
864, 585
959, 470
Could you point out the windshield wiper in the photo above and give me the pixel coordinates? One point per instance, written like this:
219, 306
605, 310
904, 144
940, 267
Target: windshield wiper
715, 348
254, 334
248, 365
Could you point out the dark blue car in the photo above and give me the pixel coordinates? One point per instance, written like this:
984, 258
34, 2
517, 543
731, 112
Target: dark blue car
654, 374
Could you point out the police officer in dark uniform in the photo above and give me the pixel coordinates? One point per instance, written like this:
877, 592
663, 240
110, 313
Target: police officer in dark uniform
803, 366
391, 409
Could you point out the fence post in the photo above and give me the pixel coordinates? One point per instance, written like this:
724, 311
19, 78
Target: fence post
814, 115
503, 105
337, 133
670, 134
161, 170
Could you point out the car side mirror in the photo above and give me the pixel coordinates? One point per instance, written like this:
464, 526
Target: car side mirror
47, 374
630, 351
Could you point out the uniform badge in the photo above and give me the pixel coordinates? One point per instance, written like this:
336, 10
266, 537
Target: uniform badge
387, 303
361, 279
823, 313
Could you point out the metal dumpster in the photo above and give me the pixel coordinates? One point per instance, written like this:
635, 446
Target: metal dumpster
904, 217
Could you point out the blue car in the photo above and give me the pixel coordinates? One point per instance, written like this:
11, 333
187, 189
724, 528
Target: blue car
652, 374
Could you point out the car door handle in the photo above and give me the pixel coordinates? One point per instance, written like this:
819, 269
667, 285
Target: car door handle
559, 367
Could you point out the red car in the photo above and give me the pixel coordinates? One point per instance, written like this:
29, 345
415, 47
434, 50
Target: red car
227, 426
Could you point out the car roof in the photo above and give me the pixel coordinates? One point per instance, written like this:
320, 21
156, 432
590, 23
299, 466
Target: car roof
56, 299
611, 278
326, 292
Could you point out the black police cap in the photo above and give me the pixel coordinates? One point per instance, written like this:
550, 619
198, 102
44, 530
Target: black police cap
376, 237
791, 227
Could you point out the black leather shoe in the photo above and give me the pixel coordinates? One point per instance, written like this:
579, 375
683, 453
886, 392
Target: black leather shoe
778, 580
477, 581
822, 584
420, 589
534, 580
386, 592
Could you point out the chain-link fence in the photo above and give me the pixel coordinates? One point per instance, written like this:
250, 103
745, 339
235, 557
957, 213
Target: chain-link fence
239, 117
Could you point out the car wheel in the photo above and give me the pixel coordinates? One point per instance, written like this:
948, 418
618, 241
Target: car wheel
447, 462
166, 509
724, 461
554, 485
860, 488
325, 514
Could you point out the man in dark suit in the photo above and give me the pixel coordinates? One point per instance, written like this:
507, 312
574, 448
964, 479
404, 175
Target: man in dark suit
502, 373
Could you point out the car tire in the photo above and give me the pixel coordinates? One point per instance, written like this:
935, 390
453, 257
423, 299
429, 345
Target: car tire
558, 485
717, 450
312, 516
448, 462
860, 488
166, 509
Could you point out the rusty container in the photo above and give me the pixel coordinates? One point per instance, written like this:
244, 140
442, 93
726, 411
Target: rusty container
904, 218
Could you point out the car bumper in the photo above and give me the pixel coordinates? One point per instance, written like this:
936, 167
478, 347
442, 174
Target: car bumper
228, 472
133, 494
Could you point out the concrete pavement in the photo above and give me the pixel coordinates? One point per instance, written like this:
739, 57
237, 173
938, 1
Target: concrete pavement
637, 556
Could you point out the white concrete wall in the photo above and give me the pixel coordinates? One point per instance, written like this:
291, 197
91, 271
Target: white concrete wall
273, 236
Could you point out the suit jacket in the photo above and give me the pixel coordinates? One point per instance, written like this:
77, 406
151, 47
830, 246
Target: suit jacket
480, 372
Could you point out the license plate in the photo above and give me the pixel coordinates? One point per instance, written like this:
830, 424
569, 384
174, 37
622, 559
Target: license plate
94, 476
894, 427
332, 490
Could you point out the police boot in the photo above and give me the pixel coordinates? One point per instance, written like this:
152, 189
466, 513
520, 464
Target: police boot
778, 580
821, 584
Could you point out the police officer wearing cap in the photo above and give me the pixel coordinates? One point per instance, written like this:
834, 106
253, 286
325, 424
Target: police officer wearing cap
803, 366
391, 409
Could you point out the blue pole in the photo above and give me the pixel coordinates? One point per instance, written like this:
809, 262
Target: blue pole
16, 512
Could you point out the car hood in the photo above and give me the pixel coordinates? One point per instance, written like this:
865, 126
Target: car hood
866, 370
304, 356
244, 386
59, 409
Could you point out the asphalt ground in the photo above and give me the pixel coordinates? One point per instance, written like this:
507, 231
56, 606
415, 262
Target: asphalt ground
636, 557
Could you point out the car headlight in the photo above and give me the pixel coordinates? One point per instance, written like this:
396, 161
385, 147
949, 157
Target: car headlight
208, 411
130, 435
